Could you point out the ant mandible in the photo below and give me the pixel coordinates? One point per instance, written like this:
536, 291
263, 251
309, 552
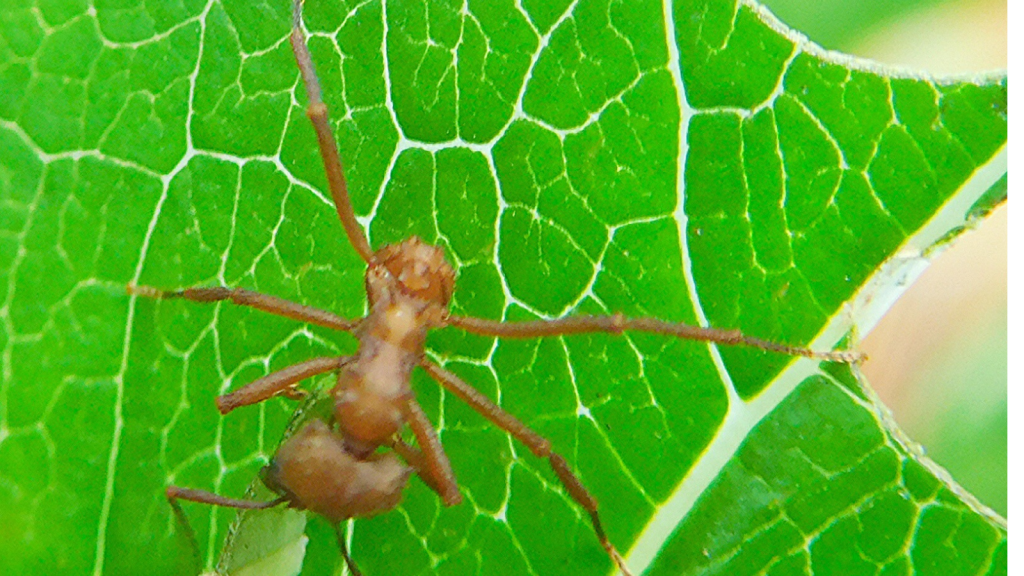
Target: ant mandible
339, 472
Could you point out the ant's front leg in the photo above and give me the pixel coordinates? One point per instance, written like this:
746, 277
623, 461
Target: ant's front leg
617, 324
242, 297
280, 382
317, 113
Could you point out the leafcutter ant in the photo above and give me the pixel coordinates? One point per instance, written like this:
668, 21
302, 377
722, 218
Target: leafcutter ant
357, 464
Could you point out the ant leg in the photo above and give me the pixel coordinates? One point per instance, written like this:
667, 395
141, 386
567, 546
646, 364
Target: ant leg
175, 493
317, 112
537, 444
242, 297
187, 531
344, 551
418, 461
279, 382
617, 323
434, 466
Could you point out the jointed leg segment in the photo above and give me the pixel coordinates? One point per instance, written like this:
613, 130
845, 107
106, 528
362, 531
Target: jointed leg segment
435, 468
344, 551
282, 381
279, 382
175, 493
242, 297
317, 112
418, 461
617, 324
537, 444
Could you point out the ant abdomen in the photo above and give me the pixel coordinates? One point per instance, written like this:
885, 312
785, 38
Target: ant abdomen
314, 471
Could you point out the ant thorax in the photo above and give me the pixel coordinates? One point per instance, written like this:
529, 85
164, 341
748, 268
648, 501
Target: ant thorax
409, 288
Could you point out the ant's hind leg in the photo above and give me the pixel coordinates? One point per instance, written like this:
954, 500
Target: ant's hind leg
344, 552
242, 297
432, 463
280, 382
537, 444
175, 493
418, 461
317, 112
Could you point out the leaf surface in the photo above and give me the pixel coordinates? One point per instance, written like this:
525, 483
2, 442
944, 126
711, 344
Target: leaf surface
694, 162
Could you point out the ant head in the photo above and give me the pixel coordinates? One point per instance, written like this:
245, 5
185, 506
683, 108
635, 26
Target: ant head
315, 472
419, 269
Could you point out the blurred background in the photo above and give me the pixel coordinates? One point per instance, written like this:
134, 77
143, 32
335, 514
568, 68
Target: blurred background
938, 359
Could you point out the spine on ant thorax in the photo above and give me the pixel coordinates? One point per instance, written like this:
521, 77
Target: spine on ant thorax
372, 391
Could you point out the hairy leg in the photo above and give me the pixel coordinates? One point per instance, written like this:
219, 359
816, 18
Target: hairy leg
435, 468
537, 444
317, 112
617, 324
418, 462
242, 297
280, 382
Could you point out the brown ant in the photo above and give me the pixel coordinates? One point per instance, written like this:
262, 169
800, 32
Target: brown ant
339, 470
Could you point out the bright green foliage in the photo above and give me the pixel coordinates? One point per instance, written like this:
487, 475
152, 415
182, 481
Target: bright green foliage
847, 498
689, 163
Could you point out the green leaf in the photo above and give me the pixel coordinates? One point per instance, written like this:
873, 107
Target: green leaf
695, 162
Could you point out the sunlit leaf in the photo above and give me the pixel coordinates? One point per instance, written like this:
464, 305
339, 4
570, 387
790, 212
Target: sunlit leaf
693, 162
